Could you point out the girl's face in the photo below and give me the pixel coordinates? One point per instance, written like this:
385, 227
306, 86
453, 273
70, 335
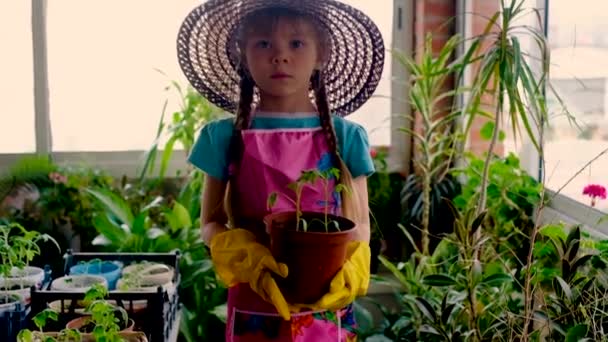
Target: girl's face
282, 55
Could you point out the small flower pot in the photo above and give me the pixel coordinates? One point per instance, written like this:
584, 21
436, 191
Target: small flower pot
146, 285
128, 336
150, 272
312, 257
107, 269
77, 283
8, 301
84, 325
29, 274
21, 280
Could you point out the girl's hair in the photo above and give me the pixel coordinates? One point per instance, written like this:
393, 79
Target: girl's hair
265, 20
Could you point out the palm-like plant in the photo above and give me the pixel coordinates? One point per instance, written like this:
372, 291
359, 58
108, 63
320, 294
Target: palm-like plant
426, 188
505, 74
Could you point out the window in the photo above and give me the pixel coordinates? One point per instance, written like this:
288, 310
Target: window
105, 91
579, 72
17, 133
375, 115
106, 94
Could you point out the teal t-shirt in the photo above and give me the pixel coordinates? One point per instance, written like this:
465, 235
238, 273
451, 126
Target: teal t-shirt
210, 151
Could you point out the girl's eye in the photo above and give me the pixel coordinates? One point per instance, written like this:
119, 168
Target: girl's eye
262, 44
297, 43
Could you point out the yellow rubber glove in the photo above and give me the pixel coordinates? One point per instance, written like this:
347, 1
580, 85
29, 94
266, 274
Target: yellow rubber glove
238, 258
349, 283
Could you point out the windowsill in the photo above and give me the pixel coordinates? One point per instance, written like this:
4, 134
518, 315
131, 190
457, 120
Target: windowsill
564, 209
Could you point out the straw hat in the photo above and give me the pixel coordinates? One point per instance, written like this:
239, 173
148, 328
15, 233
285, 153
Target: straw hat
208, 53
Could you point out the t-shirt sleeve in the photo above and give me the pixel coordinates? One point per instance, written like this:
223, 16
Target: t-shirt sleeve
210, 151
355, 150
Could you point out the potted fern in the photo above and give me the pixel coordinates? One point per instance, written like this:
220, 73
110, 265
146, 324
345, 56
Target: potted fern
312, 244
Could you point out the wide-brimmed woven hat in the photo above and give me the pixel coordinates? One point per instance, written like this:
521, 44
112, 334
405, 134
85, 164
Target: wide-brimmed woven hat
208, 53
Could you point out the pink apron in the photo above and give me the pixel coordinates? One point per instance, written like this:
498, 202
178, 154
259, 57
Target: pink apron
271, 160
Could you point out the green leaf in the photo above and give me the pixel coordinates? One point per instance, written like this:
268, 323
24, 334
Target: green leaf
576, 333
496, 280
155, 233
438, 280
115, 205
166, 158
487, 130
561, 284
115, 234
139, 224
157, 201
182, 216
426, 308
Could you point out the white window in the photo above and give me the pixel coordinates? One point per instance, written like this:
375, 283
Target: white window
579, 71
16, 81
105, 90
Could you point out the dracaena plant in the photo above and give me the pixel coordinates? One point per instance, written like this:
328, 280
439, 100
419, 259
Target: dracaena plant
430, 184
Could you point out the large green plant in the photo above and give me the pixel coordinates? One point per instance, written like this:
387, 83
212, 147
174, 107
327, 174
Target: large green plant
176, 226
429, 185
512, 196
507, 75
195, 111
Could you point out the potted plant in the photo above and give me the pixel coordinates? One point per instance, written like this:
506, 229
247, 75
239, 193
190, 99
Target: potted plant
17, 249
311, 244
146, 277
104, 321
110, 270
68, 334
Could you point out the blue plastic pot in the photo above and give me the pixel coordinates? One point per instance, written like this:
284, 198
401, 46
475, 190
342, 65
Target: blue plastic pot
107, 269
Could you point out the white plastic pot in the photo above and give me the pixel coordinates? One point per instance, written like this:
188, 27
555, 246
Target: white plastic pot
30, 274
151, 272
77, 282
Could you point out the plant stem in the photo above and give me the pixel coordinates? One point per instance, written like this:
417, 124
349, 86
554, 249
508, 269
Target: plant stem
481, 205
298, 213
426, 199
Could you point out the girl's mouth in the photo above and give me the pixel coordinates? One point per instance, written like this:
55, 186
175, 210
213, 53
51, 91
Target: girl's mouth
279, 75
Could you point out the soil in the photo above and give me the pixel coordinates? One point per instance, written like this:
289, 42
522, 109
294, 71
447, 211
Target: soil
315, 223
12, 288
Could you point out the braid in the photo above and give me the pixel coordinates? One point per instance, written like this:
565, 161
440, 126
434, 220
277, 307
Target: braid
322, 103
243, 115
236, 148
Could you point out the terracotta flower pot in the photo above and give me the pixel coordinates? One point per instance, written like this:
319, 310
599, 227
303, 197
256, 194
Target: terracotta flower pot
313, 257
80, 322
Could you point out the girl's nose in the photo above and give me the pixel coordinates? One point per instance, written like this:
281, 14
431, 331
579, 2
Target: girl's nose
279, 60
280, 57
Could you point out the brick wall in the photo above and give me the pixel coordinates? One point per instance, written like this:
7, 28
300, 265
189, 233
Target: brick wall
438, 17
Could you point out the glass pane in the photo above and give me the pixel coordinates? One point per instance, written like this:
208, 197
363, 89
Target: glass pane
579, 72
106, 93
17, 132
375, 115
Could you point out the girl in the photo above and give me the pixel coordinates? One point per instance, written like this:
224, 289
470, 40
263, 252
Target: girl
296, 67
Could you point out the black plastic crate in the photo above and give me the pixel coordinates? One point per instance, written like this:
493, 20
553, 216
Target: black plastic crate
159, 320
12, 321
